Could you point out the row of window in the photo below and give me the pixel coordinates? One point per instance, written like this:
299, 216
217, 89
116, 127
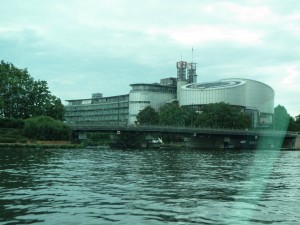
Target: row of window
143, 88
136, 102
95, 107
98, 118
104, 123
120, 98
112, 99
92, 113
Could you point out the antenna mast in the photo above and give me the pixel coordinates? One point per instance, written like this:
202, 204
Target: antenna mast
192, 54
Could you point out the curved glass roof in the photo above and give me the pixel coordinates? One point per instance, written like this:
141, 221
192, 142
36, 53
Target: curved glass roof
215, 85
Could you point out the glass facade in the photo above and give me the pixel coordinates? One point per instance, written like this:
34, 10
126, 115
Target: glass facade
255, 98
108, 111
143, 95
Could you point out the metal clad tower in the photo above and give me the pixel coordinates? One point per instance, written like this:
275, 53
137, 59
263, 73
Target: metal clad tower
181, 77
192, 76
181, 70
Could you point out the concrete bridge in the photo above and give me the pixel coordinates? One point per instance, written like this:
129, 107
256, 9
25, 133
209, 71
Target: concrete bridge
198, 137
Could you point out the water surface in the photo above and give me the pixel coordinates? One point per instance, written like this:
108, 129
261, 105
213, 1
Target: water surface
104, 186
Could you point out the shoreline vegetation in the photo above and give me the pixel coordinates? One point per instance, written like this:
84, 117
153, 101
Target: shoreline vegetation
42, 145
35, 132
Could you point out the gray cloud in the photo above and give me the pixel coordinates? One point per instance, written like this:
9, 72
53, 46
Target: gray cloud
81, 47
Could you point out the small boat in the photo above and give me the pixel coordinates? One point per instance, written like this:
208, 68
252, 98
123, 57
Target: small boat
155, 143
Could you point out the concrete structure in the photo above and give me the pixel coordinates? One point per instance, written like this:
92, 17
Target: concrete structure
105, 110
195, 137
143, 95
297, 142
254, 98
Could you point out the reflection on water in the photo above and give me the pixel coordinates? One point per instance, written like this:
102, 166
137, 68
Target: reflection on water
106, 186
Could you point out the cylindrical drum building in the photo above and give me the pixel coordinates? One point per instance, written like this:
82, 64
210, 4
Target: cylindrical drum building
254, 97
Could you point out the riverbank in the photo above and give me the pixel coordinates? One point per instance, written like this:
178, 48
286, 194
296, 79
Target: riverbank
41, 145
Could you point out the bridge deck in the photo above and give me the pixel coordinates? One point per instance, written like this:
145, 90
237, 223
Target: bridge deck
181, 130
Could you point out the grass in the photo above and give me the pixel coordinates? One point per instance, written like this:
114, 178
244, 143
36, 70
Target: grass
12, 135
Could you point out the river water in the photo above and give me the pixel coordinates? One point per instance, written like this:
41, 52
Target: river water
104, 186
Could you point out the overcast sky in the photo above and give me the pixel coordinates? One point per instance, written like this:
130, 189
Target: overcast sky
83, 47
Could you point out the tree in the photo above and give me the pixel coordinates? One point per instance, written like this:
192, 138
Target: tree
147, 116
297, 121
222, 115
281, 118
23, 97
173, 114
189, 115
294, 124
55, 108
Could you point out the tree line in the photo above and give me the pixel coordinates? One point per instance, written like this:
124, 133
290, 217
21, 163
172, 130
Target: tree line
28, 105
215, 115
284, 121
22, 97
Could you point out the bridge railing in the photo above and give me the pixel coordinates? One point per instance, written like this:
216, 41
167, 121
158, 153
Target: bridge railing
177, 129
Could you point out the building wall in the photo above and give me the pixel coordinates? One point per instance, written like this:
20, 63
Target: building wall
143, 95
120, 110
249, 94
255, 97
196, 96
111, 110
260, 96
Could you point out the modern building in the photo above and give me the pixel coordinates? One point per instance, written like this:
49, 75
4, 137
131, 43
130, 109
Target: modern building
154, 95
103, 110
253, 97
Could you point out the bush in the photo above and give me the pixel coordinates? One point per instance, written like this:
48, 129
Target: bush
11, 123
46, 128
8, 140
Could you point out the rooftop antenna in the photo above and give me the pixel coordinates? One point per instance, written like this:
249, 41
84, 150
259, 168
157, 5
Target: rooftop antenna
192, 54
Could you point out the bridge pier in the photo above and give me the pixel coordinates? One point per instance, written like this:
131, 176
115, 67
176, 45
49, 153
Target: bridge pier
281, 141
221, 142
134, 140
297, 142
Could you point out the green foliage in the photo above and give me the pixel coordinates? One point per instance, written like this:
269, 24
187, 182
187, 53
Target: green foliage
172, 114
46, 128
281, 118
12, 135
294, 124
97, 138
55, 108
297, 121
213, 115
189, 115
222, 115
23, 97
11, 123
147, 116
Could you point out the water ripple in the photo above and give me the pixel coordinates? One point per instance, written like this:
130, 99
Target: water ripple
149, 187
